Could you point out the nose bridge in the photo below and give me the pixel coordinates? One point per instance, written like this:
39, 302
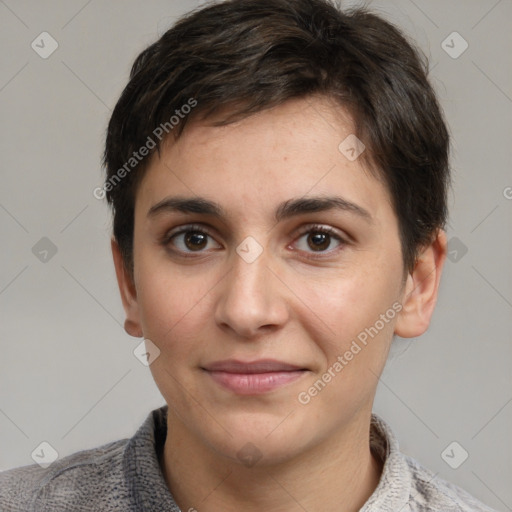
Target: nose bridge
249, 298
246, 277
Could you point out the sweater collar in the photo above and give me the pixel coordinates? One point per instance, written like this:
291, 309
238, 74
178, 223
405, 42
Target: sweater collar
141, 465
144, 477
394, 488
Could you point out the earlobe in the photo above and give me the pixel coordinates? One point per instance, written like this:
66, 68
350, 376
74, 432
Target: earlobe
133, 328
128, 293
421, 289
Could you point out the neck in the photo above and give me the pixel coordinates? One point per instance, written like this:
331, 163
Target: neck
339, 474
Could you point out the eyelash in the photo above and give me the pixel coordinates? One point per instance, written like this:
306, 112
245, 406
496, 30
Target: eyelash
316, 228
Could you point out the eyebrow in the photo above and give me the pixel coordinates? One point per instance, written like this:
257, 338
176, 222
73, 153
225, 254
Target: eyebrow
286, 210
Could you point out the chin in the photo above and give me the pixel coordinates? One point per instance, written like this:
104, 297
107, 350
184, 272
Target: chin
258, 439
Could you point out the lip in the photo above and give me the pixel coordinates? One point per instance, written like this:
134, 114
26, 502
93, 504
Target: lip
254, 377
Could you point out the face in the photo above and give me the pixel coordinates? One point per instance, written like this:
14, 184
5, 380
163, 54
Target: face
268, 272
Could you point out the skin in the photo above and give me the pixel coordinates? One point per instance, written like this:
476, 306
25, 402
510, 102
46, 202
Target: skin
285, 305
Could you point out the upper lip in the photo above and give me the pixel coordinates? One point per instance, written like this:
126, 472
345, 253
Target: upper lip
259, 366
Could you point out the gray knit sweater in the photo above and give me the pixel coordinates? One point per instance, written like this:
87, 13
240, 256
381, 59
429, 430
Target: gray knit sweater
125, 476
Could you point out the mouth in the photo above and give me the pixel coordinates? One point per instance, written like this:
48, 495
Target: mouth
253, 378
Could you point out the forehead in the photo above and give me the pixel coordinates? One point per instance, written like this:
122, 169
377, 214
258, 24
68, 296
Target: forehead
292, 150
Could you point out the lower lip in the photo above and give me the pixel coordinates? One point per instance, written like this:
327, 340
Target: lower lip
254, 383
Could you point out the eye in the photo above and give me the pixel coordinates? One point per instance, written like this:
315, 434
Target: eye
319, 239
191, 239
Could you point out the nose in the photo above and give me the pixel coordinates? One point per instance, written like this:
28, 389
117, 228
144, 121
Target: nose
252, 300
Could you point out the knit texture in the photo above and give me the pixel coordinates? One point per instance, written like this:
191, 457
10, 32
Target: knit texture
125, 476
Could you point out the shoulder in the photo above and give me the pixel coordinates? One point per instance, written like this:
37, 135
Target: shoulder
81, 478
431, 493
408, 486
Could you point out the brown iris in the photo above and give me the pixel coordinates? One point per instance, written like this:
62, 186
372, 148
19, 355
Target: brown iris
195, 240
319, 241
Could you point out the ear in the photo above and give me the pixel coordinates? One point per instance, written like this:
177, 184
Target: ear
128, 293
420, 291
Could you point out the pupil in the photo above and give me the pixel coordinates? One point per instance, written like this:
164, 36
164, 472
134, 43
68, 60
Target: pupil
320, 241
195, 240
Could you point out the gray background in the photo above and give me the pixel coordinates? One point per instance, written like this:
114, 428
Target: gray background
67, 372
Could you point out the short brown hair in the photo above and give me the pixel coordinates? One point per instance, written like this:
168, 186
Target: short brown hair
244, 56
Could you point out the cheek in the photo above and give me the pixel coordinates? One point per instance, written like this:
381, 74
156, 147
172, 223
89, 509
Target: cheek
346, 303
354, 352
173, 306
371, 311
175, 309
